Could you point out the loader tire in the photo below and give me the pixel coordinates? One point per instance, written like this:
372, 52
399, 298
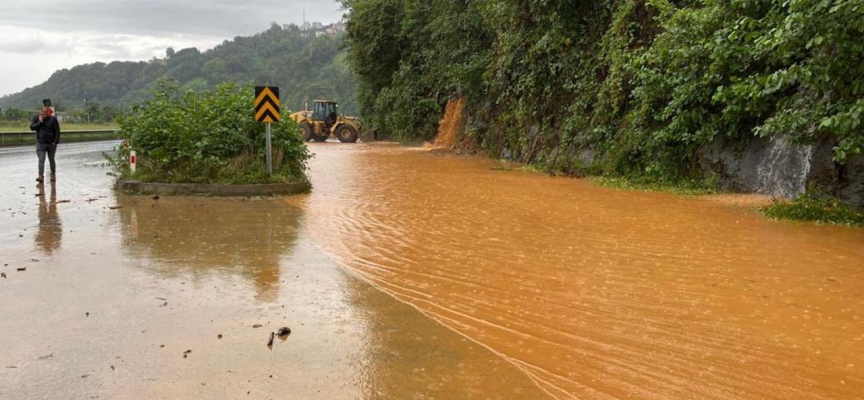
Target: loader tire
346, 134
307, 131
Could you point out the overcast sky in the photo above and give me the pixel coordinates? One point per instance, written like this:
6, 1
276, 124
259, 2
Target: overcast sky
38, 37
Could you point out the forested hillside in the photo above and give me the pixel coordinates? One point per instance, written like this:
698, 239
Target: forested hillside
621, 87
304, 65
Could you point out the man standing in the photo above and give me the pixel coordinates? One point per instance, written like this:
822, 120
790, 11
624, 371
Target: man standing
47, 130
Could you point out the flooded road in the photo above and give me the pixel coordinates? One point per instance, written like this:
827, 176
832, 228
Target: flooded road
597, 293
111, 299
407, 274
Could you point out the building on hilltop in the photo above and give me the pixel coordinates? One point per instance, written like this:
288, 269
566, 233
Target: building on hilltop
335, 28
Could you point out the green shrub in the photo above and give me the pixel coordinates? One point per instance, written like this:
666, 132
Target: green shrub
207, 137
815, 205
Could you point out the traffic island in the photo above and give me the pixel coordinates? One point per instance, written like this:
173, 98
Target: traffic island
133, 187
210, 144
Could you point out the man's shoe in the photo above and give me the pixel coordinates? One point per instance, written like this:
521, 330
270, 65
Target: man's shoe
40, 179
53, 178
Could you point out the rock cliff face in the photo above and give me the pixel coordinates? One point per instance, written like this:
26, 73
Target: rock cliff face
775, 166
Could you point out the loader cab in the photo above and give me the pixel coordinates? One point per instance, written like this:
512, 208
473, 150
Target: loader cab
324, 110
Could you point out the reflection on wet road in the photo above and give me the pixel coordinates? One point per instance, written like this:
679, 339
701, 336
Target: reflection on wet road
50, 233
197, 237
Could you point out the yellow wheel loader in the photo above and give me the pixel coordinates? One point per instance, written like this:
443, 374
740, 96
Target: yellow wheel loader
324, 120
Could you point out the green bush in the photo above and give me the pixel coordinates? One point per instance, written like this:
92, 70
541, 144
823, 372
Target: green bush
815, 205
207, 137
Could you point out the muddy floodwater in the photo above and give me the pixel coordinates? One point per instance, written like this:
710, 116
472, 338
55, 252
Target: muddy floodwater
408, 274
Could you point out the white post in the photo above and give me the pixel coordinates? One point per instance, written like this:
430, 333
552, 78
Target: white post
133, 161
269, 151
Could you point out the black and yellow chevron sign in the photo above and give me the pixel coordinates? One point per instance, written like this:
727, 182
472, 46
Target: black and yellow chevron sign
267, 103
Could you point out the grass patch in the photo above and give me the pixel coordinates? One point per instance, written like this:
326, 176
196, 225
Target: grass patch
816, 206
687, 188
534, 168
65, 138
692, 187
25, 127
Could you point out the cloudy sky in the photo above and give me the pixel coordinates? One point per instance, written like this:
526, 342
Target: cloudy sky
38, 37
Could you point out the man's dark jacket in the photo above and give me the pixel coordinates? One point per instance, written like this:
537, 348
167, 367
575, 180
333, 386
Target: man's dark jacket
47, 131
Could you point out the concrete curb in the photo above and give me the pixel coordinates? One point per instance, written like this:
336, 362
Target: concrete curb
130, 187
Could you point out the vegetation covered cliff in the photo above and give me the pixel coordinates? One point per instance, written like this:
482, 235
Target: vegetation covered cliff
642, 88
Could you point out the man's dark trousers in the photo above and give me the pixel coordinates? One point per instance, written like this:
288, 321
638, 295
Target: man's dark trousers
41, 150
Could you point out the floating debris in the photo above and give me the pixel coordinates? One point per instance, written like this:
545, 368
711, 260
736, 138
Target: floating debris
186, 353
22, 269
115, 207
256, 326
95, 164
283, 332
270, 342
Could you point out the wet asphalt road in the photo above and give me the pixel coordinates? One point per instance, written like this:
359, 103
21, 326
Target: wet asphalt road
109, 300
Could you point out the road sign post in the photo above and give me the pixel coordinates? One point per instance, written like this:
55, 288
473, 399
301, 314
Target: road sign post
267, 111
269, 150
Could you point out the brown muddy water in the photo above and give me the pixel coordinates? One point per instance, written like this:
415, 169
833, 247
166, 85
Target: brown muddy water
597, 293
411, 275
